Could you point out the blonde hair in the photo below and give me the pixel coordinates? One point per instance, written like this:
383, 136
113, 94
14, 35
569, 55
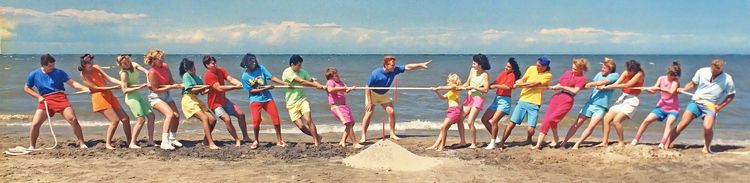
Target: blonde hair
610, 63
581, 64
454, 80
152, 55
121, 58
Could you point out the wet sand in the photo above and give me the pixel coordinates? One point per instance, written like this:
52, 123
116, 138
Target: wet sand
301, 161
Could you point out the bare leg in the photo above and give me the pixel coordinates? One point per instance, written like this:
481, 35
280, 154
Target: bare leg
608, 118
230, 128
506, 134
136, 131
164, 109
621, 117
36, 122
667, 130
175, 119
687, 117
366, 121
573, 128
70, 116
391, 119
473, 112
708, 133
205, 121
446, 123
125, 120
150, 126
644, 125
111, 116
311, 126
242, 122
586, 133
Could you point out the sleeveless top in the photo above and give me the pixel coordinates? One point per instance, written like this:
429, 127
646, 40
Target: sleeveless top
477, 82
162, 74
96, 77
637, 84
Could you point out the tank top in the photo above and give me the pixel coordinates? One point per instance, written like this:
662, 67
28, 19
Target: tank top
477, 82
133, 79
96, 77
667, 102
452, 97
637, 84
162, 74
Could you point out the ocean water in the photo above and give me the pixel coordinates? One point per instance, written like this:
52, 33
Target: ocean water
416, 109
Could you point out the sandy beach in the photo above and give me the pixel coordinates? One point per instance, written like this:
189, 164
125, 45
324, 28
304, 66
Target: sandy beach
303, 162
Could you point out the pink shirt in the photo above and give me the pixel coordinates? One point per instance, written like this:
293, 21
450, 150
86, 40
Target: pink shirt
667, 102
162, 74
336, 97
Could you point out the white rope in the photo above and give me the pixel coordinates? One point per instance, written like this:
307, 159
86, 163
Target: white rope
49, 121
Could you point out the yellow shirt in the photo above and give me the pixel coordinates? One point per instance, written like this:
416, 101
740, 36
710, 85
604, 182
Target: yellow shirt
453, 97
534, 95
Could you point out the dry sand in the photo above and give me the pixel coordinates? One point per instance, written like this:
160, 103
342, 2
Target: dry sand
303, 162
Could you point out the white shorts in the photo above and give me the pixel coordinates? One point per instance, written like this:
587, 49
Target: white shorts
626, 104
155, 98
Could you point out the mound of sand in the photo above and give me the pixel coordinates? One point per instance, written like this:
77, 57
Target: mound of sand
387, 156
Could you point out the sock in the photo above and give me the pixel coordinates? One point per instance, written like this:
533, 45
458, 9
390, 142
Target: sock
663, 141
638, 138
172, 135
164, 137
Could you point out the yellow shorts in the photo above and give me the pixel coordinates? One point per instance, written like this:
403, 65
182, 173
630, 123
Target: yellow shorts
380, 99
191, 105
296, 110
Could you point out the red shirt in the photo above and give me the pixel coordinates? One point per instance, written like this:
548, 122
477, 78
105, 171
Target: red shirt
637, 84
506, 78
215, 98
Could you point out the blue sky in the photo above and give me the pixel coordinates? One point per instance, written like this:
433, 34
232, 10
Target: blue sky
341, 27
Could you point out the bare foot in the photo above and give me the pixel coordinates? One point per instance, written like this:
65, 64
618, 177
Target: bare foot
707, 150
603, 144
237, 143
536, 148
552, 144
501, 146
109, 146
439, 149
430, 148
213, 147
575, 146
620, 144
254, 145
342, 144
473, 146
133, 146
363, 139
281, 143
394, 137
357, 146
83, 146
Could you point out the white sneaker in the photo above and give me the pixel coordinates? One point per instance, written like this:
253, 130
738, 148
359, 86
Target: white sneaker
497, 140
175, 143
635, 142
166, 146
490, 146
661, 146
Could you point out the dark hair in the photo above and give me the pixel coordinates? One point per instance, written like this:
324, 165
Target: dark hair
295, 59
85, 59
186, 65
47, 59
633, 66
675, 69
515, 68
482, 60
249, 60
207, 60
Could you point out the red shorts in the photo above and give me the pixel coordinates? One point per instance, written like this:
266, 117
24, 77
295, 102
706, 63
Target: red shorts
56, 103
269, 106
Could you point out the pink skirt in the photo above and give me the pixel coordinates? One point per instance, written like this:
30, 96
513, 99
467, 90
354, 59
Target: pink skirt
453, 114
346, 113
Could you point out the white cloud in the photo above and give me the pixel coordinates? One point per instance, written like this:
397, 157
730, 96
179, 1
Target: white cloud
20, 12
96, 16
191, 37
6, 28
83, 16
492, 35
583, 35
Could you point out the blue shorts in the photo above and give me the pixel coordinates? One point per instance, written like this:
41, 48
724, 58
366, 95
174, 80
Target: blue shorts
502, 103
701, 109
590, 110
662, 115
228, 108
524, 109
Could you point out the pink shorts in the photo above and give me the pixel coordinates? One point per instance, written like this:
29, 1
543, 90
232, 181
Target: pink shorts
344, 111
453, 114
474, 101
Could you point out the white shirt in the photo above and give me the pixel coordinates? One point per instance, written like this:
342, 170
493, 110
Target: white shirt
712, 90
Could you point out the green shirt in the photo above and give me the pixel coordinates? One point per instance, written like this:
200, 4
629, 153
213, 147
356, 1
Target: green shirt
294, 95
189, 81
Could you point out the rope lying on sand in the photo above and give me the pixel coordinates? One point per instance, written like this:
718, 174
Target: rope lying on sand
22, 150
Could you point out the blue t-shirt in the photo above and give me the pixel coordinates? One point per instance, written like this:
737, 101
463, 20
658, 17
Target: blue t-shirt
379, 78
255, 79
46, 83
601, 97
